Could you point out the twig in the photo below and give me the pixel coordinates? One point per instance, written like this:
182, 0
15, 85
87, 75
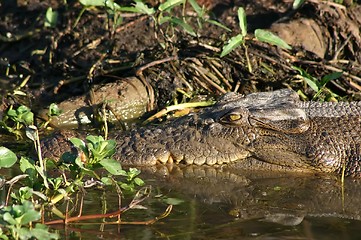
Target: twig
141, 195
219, 74
337, 52
177, 107
139, 73
204, 73
154, 63
11, 182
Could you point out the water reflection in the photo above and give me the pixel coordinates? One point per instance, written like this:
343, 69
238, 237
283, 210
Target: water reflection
227, 204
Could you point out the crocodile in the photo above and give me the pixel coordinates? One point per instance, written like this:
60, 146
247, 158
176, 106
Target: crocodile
271, 128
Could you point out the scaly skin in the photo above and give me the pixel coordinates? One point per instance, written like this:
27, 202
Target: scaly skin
273, 127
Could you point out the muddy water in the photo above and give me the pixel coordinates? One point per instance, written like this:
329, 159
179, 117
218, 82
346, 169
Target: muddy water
221, 204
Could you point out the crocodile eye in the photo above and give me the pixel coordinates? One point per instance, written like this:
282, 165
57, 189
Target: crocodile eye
232, 117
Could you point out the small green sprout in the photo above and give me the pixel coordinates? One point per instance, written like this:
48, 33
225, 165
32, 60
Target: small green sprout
54, 111
51, 18
21, 116
261, 35
319, 86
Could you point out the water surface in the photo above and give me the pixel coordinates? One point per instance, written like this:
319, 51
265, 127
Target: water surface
222, 204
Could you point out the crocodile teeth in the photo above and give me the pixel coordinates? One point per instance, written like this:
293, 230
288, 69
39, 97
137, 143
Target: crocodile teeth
164, 157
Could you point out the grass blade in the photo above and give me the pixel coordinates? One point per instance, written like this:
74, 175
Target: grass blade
242, 21
268, 37
232, 44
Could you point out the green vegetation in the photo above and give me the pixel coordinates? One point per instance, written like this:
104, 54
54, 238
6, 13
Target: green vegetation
39, 191
54, 111
16, 119
261, 35
17, 218
319, 86
161, 15
51, 18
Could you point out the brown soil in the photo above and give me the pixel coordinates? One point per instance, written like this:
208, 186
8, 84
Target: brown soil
65, 60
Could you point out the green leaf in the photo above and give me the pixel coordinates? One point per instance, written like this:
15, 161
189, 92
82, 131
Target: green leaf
162, 19
133, 172
11, 113
2, 235
102, 146
100, 3
29, 216
94, 140
107, 181
41, 231
54, 110
138, 181
184, 25
173, 201
113, 166
218, 24
51, 18
24, 232
78, 143
28, 118
242, 21
8, 218
311, 84
126, 187
232, 44
7, 157
197, 8
129, 9
297, 3
24, 193
268, 37
311, 81
26, 164
169, 4
143, 8
80, 164
22, 109
21, 115
329, 77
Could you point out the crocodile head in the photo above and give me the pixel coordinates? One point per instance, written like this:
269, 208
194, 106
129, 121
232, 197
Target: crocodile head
223, 133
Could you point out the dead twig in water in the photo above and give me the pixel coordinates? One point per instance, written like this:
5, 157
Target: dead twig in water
141, 195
